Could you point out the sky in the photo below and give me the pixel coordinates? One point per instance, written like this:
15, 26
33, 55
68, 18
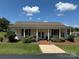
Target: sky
64, 11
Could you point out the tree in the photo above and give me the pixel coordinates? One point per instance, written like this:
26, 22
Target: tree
76, 29
4, 23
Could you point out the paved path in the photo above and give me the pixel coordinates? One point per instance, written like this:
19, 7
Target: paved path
51, 49
43, 42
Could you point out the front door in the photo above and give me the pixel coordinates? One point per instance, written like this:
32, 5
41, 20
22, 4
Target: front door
41, 35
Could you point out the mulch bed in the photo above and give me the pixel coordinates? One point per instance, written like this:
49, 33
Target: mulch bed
66, 43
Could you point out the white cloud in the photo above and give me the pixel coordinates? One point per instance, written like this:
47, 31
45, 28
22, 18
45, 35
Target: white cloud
60, 14
65, 6
75, 26
31, 10
45, 21
66, 25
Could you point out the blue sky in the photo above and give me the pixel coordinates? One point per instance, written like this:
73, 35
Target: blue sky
65, 11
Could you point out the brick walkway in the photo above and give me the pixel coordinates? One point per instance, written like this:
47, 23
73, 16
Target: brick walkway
43, 42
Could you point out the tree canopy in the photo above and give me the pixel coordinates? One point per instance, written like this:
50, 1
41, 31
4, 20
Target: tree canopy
4, 23
76, 29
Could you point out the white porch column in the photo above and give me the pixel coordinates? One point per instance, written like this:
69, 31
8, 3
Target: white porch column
36, 34
24, 33
65, 33
59, 33
48, 35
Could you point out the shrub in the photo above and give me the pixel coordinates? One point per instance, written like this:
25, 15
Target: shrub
5, 35
71, 38
24, 40
31, 37
28, 39
11, 36
62, 39
26, 36
9, 33
55, 39
52, 39
1, 39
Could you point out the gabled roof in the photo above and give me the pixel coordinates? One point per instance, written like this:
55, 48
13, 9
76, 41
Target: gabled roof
38, 25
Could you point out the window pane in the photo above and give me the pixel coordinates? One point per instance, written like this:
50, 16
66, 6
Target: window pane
22, 32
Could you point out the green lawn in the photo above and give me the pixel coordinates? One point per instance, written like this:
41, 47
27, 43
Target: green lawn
19, 48
73, 49
2, 34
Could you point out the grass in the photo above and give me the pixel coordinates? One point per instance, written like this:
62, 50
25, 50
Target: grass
69, 47
2, 34
73, 49
19, 48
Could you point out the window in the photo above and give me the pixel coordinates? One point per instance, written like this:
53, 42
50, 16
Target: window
68, 31
27, 32
22, 32
62, 34
55, 32
42, 34
39, 34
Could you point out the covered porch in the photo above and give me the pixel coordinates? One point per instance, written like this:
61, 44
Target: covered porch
40, 34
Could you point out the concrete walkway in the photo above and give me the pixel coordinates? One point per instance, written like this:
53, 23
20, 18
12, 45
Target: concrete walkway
51, 49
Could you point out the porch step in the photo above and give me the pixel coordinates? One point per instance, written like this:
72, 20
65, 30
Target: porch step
44, 42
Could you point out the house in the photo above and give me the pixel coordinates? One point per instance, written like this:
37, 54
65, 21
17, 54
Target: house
75, 33
41, 30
